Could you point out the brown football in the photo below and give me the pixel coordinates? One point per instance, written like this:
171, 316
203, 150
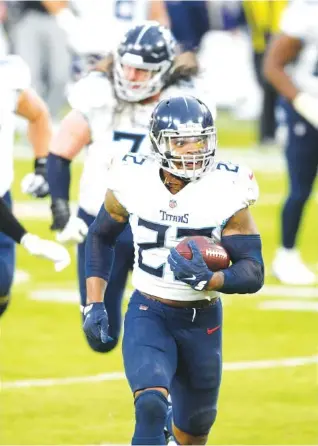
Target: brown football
213, 253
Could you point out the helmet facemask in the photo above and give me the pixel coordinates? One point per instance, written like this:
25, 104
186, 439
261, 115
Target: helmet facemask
133, 91
188, 153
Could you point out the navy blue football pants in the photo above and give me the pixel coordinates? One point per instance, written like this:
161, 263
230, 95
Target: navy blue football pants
7, 263
179, 349
123, 262
302, 162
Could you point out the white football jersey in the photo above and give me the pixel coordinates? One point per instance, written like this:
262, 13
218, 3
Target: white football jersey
14, 77
117, 127
159, 219
300, 20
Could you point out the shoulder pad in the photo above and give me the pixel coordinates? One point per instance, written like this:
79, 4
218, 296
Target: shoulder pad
247, 183
92, 91
14, 73
244, 180
296, 19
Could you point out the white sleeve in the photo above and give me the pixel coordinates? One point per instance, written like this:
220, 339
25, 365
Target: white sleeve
16, 72
116, 183
14, 77
247, 186
295, 18
91, 92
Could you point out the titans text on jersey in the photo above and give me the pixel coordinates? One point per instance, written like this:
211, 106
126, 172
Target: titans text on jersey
159, 219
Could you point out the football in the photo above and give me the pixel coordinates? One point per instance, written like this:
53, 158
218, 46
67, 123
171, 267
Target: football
213, 253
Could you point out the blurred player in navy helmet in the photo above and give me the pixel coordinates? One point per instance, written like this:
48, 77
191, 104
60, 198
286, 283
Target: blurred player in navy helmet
110, 116
18, 98
291, 65
172, 338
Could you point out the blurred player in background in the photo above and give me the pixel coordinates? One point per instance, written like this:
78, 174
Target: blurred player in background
18, 98
110, 116
263, 18
33, 244
291, 65
172, 337
42, 35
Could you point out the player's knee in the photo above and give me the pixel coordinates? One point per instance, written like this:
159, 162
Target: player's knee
100, 347
151, 407
198, 427
201, 422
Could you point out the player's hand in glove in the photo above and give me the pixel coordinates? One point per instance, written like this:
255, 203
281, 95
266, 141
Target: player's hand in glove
75, 231
193, 272
35, 183
46, 249
61, 214
96, 322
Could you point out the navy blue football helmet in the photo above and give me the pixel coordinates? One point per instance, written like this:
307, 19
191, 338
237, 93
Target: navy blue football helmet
183, 136
147, 46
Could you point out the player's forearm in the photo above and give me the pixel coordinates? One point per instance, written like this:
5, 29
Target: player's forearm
243, 277
96, 288
216, 281
40, 134
59, 176
99, 249
246, 274
282, 51
276, 76
54, 7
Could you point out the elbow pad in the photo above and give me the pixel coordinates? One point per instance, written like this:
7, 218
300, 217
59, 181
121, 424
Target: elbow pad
246, 274
100, 242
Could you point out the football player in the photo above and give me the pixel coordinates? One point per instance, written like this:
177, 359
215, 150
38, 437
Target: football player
291, 65
173, 326
17, 97
110, 116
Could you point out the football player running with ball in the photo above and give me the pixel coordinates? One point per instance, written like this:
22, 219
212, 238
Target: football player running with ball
172, 339
110, 116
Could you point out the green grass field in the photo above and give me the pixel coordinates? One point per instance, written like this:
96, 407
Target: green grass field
272, 403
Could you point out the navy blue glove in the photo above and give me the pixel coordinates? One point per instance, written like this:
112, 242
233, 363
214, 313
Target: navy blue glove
96, 322
193, 272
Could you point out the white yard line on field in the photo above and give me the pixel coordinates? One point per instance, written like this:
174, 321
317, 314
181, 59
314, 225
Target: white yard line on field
284, 305
117, 376
71, 294
304, 292
21, 276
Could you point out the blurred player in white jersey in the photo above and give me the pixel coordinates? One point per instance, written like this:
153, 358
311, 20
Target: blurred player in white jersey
18, 98
291, 65
110, 116
172, 338
33, 244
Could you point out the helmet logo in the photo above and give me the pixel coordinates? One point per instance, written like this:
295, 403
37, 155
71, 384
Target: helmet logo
190, 125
